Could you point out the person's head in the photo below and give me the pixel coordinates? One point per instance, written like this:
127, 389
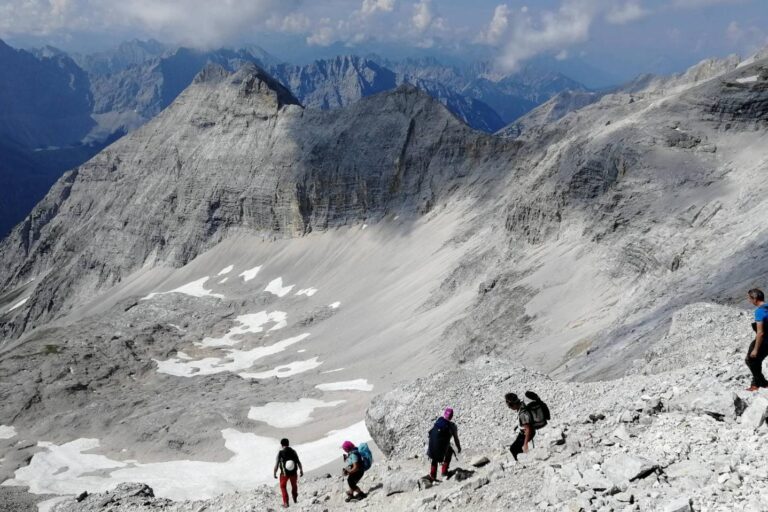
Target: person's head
348, 446
448, 413
513, 401
284, 442
756, 296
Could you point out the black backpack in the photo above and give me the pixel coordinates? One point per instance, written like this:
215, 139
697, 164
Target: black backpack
537, 409
439, 438
286, 454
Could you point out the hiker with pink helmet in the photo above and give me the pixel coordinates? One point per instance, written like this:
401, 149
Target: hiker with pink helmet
439, 448
357, 460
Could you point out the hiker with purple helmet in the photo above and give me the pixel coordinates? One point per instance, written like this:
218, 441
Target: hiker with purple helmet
354, 469
439, 449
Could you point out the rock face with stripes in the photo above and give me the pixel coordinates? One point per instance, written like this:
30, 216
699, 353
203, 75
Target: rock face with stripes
235, 151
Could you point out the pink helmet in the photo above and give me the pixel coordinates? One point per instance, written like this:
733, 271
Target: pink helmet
347, 446
448, 413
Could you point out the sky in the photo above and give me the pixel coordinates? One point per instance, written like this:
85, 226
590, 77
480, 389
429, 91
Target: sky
621, 38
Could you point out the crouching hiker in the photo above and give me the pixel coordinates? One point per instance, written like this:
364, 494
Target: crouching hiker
357, 460
288, 463
531, 417
758, 350
439, 449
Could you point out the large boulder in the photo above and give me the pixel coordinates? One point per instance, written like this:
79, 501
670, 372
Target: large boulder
398, 482
754, 415
625, 467
712, 398
689, 474
681, 504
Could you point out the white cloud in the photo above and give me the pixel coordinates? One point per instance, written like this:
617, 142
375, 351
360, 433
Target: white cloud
498, 26
323, 35
422, 17
194, 22
702, 3
370, 7
746, 39
625, 13
551, 31
292, 23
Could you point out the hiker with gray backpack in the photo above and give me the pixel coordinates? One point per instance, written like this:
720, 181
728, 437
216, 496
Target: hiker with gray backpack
357, 460
531, 416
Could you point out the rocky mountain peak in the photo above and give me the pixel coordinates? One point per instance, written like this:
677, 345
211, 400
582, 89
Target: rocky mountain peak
250, 80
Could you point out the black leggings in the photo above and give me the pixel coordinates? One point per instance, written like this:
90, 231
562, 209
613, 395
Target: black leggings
755, 364
517, 447
354, 478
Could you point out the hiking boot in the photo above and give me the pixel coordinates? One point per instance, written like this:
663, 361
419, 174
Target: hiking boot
753, 388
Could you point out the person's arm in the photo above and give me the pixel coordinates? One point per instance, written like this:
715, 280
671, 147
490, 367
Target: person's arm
528, 435
758, 340
301, 468
456, 438
354, 469
277, 466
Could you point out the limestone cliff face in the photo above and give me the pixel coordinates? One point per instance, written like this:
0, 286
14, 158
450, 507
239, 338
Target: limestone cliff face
234, 151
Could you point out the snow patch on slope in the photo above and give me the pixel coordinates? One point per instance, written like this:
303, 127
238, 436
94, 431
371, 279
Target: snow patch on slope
7, 432
249, 274
276, 287
231, 360
18, 304
250, 323
289, 414
226, 270
351, 385
285, 370
195, 289
65, 469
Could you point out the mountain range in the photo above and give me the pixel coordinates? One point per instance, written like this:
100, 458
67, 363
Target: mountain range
78, 104
242, 267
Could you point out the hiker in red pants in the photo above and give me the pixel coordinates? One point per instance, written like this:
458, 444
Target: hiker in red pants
439, 449
288, 463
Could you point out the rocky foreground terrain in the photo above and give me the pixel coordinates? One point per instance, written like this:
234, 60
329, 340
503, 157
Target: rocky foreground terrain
678, 435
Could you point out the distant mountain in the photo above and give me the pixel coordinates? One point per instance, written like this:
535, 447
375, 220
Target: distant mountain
509, 95
45, 100
131, 96
551, 111
472, 111
335, 82
125, 55
45, 112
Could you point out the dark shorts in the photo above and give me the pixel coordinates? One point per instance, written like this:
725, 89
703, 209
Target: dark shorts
354, 479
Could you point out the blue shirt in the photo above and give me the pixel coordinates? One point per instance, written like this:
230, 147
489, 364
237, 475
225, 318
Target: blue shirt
352, 458
761, 313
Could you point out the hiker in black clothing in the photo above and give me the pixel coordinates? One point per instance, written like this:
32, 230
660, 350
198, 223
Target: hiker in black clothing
527, 432
288, 463
758, 349
439, 448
